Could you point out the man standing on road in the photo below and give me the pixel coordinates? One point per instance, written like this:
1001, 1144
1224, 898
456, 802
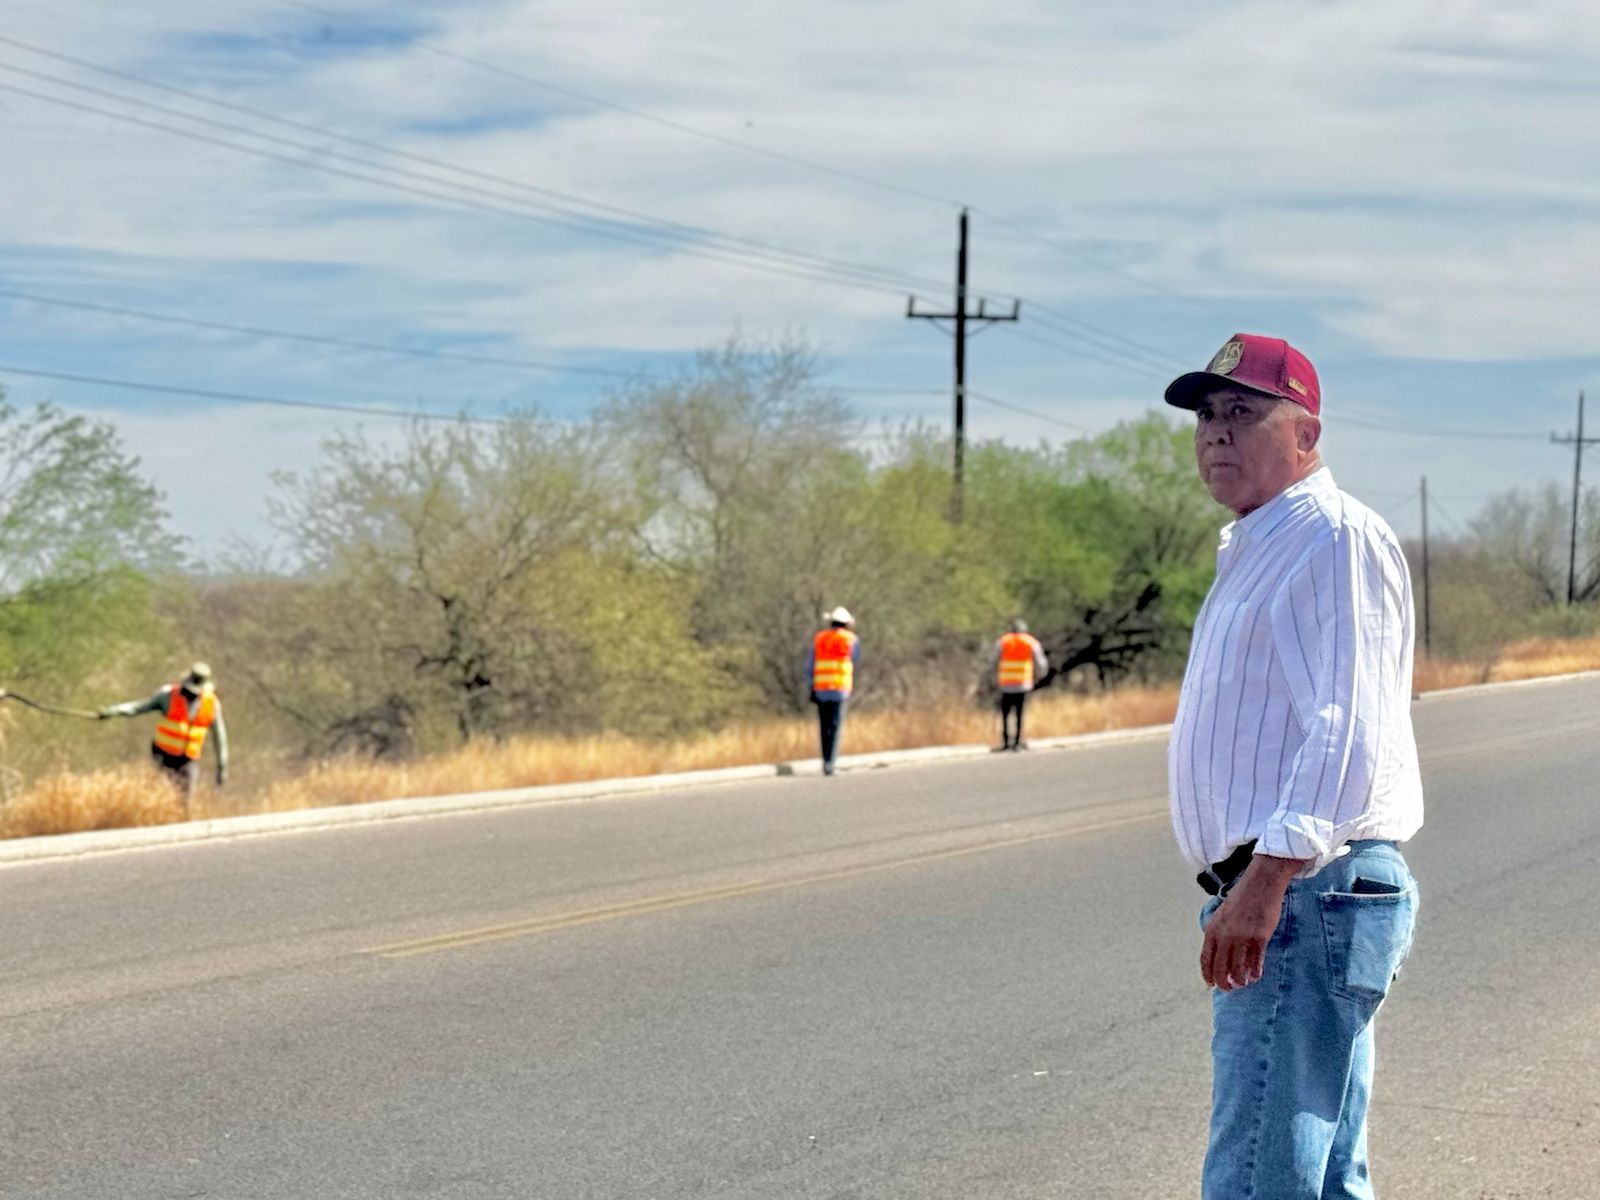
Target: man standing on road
1293, 773
835, 651
190, 709
1019, 663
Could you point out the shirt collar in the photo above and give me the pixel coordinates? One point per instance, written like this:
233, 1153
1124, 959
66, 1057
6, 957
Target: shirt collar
1265, 519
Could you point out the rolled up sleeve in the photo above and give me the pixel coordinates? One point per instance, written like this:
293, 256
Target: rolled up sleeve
1322, 624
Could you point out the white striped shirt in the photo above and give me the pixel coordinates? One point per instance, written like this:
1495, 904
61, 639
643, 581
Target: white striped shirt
1294, 723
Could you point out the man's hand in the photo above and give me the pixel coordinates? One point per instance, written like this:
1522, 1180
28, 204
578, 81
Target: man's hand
1235, 950
222, 780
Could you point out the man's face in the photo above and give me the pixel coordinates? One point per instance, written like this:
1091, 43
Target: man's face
1249, 447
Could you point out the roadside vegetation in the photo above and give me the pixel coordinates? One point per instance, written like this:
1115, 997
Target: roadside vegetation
469, 606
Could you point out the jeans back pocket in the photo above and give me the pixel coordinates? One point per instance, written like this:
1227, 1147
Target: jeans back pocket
1368, 934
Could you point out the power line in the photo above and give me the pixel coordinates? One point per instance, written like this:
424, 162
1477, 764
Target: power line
1100, 263
780, 258
261, 331
1460, 530
368, 410
1347, 418
854, 389
1113, 341
1115, 362
595, 229
1409, 495
1029, 412
1106, 346
1405, 503
829, 270
166, 389
1063, 324
1142, 370
428, 47
668, 227
243, 397
376, 411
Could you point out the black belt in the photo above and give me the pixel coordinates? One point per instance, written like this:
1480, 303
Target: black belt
1219, 876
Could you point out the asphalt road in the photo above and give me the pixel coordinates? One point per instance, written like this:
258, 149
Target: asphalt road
951, 982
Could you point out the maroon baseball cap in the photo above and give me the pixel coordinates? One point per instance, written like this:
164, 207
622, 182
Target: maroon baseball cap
1255, 363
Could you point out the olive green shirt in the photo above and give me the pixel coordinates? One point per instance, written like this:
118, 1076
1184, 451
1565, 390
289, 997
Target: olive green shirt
159, 702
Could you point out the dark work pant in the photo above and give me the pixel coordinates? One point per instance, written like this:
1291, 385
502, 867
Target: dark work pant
1011, 705
181, 772
830, 719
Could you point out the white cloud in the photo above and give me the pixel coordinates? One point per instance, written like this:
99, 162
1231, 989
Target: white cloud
1156, 137
1398, 179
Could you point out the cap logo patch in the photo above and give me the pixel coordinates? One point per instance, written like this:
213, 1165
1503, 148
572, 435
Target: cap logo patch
1227, 358
1297, 385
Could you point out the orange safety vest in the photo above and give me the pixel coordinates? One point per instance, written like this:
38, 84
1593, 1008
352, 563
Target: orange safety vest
182, 733
832, 669
1016, 661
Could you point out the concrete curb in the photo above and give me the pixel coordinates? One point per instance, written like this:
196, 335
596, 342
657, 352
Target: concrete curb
73, 845
883, 758
68, 845
101, 841
894, 758
1509, 683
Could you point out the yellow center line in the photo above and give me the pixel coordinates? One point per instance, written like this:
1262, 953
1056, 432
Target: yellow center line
656, 904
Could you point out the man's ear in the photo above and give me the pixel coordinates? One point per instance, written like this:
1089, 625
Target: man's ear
1307, 433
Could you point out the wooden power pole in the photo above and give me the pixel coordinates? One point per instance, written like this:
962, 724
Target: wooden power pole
1427, 592
1577, 443
961, 319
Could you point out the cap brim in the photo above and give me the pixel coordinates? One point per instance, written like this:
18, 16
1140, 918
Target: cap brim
1186, 391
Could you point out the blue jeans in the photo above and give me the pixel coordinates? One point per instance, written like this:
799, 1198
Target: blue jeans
1291, 1055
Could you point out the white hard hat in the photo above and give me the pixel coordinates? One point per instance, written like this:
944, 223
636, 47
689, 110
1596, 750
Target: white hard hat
839, 616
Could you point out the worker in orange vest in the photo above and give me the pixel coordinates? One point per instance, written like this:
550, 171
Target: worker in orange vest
1019, 664
189, 711
835, 651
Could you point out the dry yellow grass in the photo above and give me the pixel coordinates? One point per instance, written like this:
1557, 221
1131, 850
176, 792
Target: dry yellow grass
1530, 658
1534, 658
528, 762
69, 803
73, 803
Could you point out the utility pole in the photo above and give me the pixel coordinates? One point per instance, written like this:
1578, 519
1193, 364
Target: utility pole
1577, 443
962, 318
1427, 594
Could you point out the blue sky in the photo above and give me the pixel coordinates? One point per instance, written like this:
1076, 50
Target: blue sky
1406, 190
